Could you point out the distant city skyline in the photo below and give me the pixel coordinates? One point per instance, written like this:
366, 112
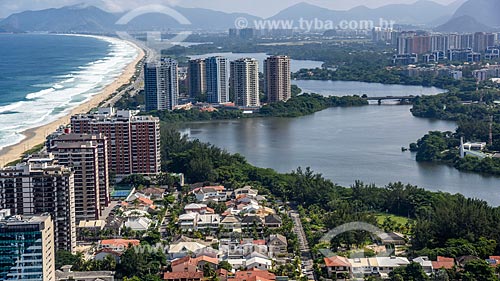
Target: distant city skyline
252, 7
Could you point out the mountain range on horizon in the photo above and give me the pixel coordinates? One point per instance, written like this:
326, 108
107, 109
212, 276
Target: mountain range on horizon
474, 15
88, 18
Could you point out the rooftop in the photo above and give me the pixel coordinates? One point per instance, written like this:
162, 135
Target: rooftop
120, 242
337, 261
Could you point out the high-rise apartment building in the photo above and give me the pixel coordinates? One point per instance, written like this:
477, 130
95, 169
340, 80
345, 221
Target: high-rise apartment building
440, 43
277, 78
161, 85
480, 42
466, 41
40, 186
133, 141
82, 157
245, 82
196, 75
217, 80
102, 151
26, 247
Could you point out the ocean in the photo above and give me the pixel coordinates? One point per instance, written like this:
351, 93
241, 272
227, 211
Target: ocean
43, 77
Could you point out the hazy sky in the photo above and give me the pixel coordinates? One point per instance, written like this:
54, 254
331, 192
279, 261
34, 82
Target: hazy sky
263, 8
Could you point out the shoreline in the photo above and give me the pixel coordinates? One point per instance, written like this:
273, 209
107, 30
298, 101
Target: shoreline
37, 135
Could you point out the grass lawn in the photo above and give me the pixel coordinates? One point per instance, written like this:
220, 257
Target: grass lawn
400, 220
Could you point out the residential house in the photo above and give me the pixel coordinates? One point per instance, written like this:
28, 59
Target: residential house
139, 201
250, 221
184, 264
249, 246
187, 222
387, 264
195, 221
272, 221
196, 208
494, 261
249, 208
66, 274
247, 190
208, 222
138, 223
183, 276
392, 238
231, 223
117, 245
426, 264
210, 193
236, 263
380, 266
338, 267
265, 211
234, 249
361, 267
100, 255
182, 249
277, 245
202, 261
443, 263
154, 193
258, 263
253, 274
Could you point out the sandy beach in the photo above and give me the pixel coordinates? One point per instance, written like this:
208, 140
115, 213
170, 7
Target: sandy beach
37, 135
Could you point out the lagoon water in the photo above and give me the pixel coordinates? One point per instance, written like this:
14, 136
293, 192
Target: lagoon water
347, 144
42, 77
349, 88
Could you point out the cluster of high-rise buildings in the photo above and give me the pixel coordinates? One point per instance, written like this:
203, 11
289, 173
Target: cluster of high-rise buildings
69, 182
413, 47
220, 80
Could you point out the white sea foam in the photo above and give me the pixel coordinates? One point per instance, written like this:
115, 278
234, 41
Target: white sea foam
71, 90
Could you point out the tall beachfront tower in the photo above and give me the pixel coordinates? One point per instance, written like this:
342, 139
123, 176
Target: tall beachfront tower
101, 140
161, 85
133, 141
83, 158
196, 75
217, 79
42, 186
245, 82
277, 79
27, 247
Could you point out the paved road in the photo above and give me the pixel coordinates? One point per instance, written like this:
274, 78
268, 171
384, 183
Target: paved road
134, 88
107, 210
305, 251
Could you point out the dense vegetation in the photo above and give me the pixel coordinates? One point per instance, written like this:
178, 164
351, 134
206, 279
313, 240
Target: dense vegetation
442, 223
376, 73
473, 118
331, 53
297, 106
439, 223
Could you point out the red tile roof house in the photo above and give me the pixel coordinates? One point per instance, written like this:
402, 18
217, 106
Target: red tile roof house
188, 264
118, 245
494, 261
183, 276
202, 260
253, 275
443, 263
184, 265
339, 267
